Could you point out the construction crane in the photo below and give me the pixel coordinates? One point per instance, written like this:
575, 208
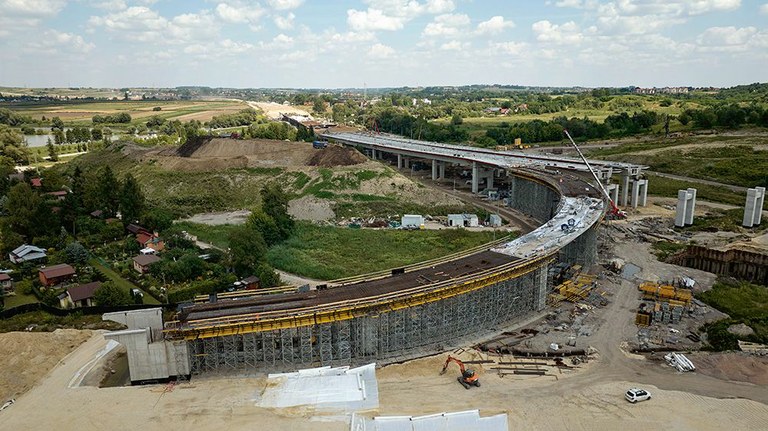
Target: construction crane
468, 376
615, 213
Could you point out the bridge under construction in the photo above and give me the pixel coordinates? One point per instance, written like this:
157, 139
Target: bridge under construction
391, 315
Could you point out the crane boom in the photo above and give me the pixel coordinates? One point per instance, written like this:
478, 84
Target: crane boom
615, 211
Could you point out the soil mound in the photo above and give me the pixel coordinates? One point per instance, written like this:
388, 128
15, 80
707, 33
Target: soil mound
337, 156
192, 145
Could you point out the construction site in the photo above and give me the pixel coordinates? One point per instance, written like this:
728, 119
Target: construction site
563, 318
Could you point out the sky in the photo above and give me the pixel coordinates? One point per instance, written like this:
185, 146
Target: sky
382, 43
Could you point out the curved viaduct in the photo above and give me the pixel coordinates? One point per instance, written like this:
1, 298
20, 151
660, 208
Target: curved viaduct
405, 312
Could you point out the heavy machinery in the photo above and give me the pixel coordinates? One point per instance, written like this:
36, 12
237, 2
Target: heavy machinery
468, 376
615, 213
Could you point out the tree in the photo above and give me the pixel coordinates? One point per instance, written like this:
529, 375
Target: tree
456, 119
76, 253
247, 250
274, 202
109, 295
12, 145
265, 225
131, 200
51, 151
318, 106
157, 219
108, 199
57, 124
22, 207
58, 137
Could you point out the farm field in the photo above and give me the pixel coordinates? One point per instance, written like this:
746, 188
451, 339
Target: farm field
81, 112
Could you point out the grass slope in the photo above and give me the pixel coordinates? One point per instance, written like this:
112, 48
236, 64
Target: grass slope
328, 253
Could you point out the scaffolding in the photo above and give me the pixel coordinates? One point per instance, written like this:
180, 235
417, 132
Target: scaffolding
386, 336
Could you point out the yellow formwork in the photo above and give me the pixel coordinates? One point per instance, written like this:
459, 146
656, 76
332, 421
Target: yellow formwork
665, 292
345, 310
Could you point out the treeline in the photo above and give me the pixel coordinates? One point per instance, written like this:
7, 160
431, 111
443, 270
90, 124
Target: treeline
392, 120
241, 118
729, 116
120, 118
13, 119
617, 125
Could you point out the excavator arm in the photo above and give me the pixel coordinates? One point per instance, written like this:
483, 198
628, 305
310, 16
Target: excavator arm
448, 362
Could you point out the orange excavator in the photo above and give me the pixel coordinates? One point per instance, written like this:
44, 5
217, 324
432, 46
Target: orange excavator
468, 376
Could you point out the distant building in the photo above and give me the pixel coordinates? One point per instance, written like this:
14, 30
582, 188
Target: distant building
251, 282
26, 253
412, 220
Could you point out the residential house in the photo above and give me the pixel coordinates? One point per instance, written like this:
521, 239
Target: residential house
59, 195
26, 253
250, 283
6, 283
134, 228
56, 274
81, 295
150, 240
141, 262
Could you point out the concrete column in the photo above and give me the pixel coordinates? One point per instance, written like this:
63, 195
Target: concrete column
613, 192
441, 170
489, 180
434, 170
690, 207
624, 189
753, 209
406, 163
399, 161
475, 178
373, 152
639, 192
644, 194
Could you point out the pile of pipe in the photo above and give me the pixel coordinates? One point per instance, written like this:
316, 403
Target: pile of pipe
679, 361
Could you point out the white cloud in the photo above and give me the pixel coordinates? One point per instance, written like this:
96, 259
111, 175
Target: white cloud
372, 20
455, 45
446, 25
283, 39
764, 9
732, 39
509, 48
578, 4
568, 33
31, 8
496, 24
240, 13
284, 22
696, 7
285, 4
110, 4
411, 8
142, 24
53, 41
381, 51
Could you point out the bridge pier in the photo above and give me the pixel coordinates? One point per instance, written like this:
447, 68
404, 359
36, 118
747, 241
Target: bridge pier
475, 178
434, 169
399, 161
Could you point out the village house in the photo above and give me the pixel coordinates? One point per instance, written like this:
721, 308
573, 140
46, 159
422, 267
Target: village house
26, 253
141, 262
6, 283
56, 274
80, 296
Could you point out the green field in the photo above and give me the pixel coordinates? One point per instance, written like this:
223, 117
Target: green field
745, 303
328, 253
217, 235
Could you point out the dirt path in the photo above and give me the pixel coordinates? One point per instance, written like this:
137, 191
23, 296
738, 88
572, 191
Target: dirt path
737, 189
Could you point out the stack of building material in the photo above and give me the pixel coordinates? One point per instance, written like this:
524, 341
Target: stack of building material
666, 293
325, 390
468, 420
679, 361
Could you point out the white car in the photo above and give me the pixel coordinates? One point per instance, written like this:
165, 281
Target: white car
635, 394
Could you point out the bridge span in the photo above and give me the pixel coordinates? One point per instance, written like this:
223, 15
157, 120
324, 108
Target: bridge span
486, 164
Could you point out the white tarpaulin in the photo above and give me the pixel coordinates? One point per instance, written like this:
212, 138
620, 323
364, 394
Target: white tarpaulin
326, 389
456, 421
